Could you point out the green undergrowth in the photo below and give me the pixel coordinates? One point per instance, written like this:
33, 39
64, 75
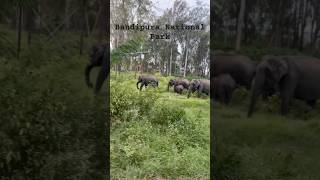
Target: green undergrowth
156, 133
267, 145
50, 121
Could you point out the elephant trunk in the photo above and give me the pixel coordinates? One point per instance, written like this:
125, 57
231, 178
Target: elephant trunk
168, 86
103, 74
87, 75
256, 91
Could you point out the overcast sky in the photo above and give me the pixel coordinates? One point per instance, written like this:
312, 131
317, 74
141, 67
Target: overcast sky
161, 5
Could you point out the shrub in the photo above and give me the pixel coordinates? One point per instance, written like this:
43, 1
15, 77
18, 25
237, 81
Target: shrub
46, 129
127, 103
165, 114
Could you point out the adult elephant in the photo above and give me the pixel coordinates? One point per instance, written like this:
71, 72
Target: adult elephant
294, 77
99, 56
240, 68
178, 89
145, 80
176, 82
223, 87
199, 85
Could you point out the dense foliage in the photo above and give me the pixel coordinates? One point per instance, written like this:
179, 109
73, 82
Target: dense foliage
50, 122
287, 23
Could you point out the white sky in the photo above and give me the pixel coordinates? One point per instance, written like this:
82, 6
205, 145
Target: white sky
161, 5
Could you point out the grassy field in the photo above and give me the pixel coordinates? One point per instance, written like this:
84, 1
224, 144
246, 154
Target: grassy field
266, 146
157, 133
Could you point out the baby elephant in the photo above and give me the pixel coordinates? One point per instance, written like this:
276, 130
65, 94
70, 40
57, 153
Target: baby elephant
178, 89
145, 80
223, 87
176, 82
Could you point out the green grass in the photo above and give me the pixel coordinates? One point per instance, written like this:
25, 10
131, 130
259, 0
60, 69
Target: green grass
266, 146
170, 141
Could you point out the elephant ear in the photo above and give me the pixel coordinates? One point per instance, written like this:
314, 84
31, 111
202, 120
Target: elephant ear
277, 68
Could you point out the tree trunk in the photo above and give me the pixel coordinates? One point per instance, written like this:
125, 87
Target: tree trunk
185, 63
66, 15
246, 21
19, 31
29, 16
303, 24
101, 37
83, 25
170, 61
87, 21
240, 23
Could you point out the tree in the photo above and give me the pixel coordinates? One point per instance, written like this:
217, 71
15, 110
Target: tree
240, 24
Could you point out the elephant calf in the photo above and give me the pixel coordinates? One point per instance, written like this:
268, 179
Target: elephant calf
145, 80
199, 85
223, 87
175, 82
178, 89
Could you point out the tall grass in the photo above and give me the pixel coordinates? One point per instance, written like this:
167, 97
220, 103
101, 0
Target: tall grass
267, 145
156, 133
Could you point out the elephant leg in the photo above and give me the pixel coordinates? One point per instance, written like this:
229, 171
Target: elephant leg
227, 96
200, 90
199, 94
220, 95
141, 86
286, 93
100, 79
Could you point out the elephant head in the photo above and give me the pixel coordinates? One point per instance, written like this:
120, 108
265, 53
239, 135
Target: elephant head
98, 56
268, 76
193, 86
171, 83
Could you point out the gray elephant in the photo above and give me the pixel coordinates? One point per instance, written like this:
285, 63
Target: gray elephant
223, 87
178, 89
99, 56
202, 86
240, 68
175, 82
145, 80
293, 76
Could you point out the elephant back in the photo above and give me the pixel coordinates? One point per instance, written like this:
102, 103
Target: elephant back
241, 68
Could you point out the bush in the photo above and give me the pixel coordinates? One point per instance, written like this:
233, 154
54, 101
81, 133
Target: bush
126, 104
46, 128
164, 114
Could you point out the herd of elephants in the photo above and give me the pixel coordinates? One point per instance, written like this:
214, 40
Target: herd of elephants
286, 76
